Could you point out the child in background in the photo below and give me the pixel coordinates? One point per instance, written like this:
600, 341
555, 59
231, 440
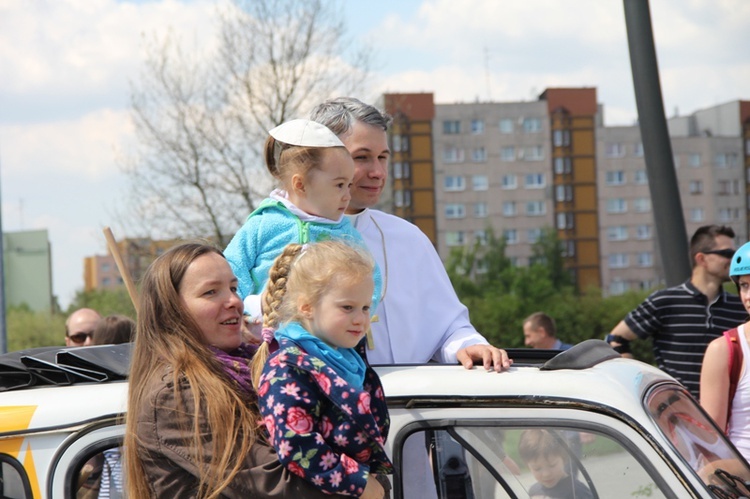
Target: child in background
322, 404
315, 172
548, 462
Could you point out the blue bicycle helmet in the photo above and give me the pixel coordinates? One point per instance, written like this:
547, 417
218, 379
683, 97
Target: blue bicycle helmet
740, 262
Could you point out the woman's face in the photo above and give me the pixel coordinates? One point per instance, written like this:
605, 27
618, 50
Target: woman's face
209, 292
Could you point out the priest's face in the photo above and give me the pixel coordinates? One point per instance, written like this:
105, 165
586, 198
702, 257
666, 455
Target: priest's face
368, 146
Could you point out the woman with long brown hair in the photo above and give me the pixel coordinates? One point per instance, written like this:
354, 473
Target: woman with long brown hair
192, 414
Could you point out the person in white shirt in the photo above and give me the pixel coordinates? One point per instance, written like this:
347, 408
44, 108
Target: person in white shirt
420, 318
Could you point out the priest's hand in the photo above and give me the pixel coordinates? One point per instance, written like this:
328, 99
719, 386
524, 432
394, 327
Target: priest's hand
492, 358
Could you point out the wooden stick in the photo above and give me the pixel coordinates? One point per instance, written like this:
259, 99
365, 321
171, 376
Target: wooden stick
127, 279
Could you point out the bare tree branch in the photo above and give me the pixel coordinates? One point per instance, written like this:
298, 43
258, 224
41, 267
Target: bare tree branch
197, 170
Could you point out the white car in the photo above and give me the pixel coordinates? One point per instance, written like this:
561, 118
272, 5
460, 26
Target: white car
627, 429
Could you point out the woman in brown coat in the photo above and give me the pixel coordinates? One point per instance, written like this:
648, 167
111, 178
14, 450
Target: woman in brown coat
192, 426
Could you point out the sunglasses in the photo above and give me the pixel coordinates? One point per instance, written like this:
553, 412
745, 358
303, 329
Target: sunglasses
724, 253
80, 337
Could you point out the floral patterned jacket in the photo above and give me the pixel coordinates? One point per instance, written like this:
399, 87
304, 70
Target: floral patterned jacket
323, 429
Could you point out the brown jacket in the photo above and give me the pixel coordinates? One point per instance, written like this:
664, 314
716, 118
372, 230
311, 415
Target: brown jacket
173, 473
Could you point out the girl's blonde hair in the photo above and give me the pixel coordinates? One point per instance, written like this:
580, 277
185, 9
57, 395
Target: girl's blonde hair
168, 339
307, 271
284, 160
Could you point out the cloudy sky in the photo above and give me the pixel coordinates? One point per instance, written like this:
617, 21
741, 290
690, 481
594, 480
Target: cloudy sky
65, 68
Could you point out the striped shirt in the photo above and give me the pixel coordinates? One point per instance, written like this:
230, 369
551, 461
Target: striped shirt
682, 323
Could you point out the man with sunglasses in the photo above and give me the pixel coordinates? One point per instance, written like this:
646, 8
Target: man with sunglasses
682, 320
80, 326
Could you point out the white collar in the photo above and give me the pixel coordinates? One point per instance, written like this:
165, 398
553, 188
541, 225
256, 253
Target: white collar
281, 196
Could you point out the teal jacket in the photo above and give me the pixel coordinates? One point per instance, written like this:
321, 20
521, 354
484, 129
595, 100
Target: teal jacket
266, 232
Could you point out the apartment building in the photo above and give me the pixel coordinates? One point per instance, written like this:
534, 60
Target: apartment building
518, 168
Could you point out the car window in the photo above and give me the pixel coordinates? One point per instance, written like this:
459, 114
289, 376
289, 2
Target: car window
13, 481
528, 461
100, 476
698, 441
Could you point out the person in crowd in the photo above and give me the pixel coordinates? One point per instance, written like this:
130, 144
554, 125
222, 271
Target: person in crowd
420, 318
113, 330
322, 404
682, 320
315, 172
727, 400
545, 456
539, 331
79, 327
192, 422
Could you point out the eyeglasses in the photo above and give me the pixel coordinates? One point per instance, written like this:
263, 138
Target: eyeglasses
724, 253
80, 337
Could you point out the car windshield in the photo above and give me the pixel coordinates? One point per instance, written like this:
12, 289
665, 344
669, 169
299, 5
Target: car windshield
698, 441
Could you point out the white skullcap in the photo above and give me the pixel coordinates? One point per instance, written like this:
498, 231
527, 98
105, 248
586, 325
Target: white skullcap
305, 133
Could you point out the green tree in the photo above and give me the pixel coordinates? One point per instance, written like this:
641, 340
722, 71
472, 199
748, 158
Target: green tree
106, 302
29, 329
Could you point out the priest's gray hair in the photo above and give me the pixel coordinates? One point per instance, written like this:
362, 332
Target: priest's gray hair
340, 114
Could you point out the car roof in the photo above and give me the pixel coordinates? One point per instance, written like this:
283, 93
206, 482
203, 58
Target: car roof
589, 373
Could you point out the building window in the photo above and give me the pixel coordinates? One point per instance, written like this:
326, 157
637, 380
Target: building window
454, 183
643, 232
645, 259
640, 177
726, 160
534, 181
561, 138
563, 193
536, 208
617, 205
480, 210
694, 160
480, 182
696, 187
401, 198
455, 210
618, 287
638, 149
106, 281
533, 235
532, 153
532, 125
400, 143
480, 236
617, 233
697, 214
453, 155
728, 214
618, 260
614, 150
506, 125
509, 209
510, 236
105, 267
508, 153
565, 220
642, 205
728, 187
401, 170
509, 182
455, 238
569, 248
477, 127
479, 155
615, 178
562, 165
451, 127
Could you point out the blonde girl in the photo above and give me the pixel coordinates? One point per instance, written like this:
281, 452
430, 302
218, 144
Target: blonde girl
322, 405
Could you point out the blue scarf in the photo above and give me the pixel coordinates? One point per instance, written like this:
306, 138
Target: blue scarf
345, 361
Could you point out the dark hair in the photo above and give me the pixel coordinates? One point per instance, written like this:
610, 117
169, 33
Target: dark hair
113, 330
704, 239
340, 114
540, 319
